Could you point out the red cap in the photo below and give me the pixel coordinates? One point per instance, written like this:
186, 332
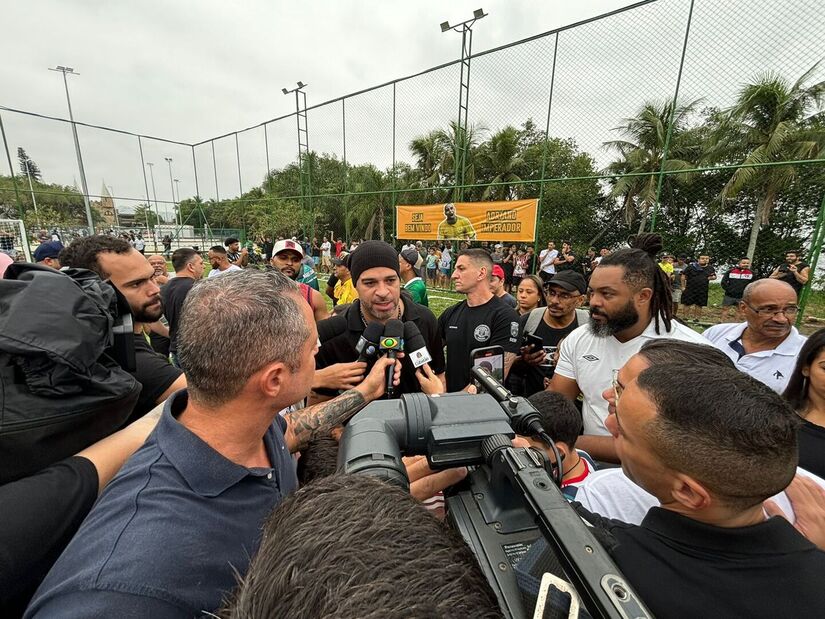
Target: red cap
498, 271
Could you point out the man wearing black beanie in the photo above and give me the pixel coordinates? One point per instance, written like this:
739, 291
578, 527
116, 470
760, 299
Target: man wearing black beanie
375, 274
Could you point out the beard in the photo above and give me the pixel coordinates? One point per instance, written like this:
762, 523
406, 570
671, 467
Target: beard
149, 313
621, 320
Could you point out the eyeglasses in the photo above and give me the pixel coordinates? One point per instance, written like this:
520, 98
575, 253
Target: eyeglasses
562, 296
790, 311
617, 388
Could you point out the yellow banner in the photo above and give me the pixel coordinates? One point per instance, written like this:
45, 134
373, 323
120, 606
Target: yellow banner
512, 220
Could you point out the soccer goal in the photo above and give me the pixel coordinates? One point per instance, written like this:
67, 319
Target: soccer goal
14, 241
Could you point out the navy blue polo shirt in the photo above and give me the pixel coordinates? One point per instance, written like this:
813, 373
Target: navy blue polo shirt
169, 533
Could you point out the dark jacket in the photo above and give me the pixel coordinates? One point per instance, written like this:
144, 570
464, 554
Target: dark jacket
735, 280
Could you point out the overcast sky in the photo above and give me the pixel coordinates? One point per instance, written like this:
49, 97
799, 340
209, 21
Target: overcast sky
190, 70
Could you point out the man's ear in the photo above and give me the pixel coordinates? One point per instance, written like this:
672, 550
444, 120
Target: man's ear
645, 295
690, 493
271, 379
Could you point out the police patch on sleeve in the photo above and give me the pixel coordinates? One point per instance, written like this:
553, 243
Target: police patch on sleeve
481, 333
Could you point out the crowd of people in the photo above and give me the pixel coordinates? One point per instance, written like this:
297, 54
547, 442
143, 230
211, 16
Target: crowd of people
700, 457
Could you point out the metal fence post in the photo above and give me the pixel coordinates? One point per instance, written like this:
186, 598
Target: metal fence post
670, 122
11, 171
813, 259
546, 140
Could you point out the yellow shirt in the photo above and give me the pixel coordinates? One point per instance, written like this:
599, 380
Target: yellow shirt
345, 292
461, 229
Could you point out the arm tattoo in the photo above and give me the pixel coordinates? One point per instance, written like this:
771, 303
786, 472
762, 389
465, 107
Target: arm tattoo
509, 359
307, 423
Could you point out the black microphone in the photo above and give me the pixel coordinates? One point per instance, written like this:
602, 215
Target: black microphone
392, 343
414, 346
367, 346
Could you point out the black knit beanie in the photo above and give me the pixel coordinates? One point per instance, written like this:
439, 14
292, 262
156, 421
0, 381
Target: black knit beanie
371, 254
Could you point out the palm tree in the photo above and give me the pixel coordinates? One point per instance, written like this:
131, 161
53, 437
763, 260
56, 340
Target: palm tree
770, 117
455, 140
429, 151
642, 151
500, 157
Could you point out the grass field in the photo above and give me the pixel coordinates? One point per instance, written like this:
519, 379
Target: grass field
441, 299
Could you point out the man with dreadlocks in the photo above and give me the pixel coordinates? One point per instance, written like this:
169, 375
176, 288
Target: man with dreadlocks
630, 303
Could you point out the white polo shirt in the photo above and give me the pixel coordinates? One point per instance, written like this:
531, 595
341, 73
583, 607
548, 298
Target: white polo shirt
590, 360
772, 367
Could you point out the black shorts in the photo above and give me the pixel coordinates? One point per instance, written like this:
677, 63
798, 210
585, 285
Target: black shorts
695, 297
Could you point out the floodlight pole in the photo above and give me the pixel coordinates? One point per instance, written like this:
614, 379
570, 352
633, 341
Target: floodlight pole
172, 186
303, 149
462, 135
89, 221
155, 195
114, 208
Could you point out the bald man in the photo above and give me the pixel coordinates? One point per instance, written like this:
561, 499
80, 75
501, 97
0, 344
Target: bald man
765, 346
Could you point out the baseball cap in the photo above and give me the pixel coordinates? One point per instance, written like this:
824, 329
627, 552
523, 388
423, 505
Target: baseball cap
498, 271
50, 249
414, 259
341, 260
288, 244
569, 280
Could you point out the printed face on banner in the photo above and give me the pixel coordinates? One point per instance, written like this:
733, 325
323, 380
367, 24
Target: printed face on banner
513, 220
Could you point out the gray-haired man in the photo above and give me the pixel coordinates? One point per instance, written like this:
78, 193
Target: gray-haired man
184, 515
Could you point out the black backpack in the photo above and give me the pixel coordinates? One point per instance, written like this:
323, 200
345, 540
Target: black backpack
61, 388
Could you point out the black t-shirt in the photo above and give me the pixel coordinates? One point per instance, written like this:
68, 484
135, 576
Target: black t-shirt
685, 568
339, 335
331, 284
812, 448
524, 379
464, 328
790, 278
39, 516
567, 266
173, 294
154, 373
696, 277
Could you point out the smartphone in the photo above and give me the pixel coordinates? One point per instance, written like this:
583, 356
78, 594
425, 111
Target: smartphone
491, 358
534, 342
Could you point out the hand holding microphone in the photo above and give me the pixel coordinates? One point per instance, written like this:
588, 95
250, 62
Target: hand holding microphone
416, 349
392, 343
367, 346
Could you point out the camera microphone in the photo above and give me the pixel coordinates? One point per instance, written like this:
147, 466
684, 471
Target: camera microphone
414, 345
367, 346
392, 342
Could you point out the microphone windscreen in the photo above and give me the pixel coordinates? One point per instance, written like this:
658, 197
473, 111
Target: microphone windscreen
373, 332
394, 328
413, 340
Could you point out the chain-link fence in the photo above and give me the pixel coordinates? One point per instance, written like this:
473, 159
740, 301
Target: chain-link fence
697, 119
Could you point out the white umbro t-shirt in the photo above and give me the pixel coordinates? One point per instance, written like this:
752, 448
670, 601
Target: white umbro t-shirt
590, 360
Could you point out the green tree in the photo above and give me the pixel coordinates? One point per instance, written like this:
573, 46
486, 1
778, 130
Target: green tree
500, 159
641, 152
771, 119
430, 152
27, 166
144, 213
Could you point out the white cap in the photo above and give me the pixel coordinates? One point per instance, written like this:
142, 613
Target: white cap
291, 245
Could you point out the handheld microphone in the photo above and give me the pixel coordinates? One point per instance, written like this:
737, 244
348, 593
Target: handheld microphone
392, 342
414, 345
367, 346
